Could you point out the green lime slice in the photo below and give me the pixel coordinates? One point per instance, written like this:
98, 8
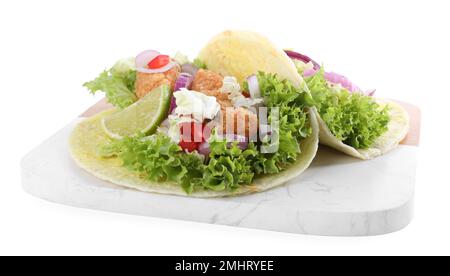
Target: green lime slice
144, 115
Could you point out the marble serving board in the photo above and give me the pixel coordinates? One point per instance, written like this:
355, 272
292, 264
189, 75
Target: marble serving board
336, 196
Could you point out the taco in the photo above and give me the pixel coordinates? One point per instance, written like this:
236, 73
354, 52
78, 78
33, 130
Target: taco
201, 128
351, 120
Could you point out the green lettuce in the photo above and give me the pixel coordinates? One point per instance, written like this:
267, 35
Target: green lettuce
293, 122
158, 159
355, 119
199, 64
227, 167
117, 83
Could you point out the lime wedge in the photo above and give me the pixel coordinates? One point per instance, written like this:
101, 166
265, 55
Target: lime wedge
144, 115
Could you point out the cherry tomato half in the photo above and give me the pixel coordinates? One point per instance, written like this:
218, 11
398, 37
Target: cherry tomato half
192, 132
246, 94
189, 146
159, 61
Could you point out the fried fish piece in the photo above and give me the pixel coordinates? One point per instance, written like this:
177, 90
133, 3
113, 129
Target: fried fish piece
206, 80
146, 82
243, 122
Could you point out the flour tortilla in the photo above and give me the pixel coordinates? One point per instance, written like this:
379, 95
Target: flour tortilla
237, 54
397, 130
242, 53
88, 137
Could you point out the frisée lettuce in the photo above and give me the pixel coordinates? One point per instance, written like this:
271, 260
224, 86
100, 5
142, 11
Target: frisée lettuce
293, 122
354, 118
117, 83
158, 159
228, 166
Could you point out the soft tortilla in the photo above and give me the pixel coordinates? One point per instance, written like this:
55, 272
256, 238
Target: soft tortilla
397, 130
237, 54
243, 53
88, 137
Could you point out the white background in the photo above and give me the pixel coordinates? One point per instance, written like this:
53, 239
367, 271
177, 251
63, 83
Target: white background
49, 48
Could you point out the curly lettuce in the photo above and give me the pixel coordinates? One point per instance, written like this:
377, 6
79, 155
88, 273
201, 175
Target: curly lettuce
199, 63
158, 159
355, 119
293, 122
117, 83
227, 167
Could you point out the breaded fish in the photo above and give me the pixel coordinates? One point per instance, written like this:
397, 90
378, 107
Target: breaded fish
146, 82
244, 122
206, 80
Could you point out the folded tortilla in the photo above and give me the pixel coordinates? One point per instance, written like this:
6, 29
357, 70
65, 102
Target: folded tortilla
238, 54
398, 127
242, 53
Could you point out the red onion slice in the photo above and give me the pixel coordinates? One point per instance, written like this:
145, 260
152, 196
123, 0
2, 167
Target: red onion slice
189, 68
335, 78
184, 81
370, 92
159, 70
173, 105
305, 59
264, 130
242, 140
143, 59
204, 149
253, 87
331, 77
309, 72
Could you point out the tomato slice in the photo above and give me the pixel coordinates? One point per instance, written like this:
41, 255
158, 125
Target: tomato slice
192, 132
246, 94
191, 136
159, 61
189, 146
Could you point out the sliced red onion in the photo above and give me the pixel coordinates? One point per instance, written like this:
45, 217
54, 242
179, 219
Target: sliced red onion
204, 148
143, 59
303, 58
242, 140
370, 92
264, 130
309, 72
335, 78
189, 68
173, 105
159, 70
253, 87
331, 77
184, 81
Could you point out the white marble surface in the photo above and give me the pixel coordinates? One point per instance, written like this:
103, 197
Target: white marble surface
337, 195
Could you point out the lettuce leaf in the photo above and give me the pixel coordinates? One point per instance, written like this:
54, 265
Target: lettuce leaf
355, 119
293, 121
117, 83
199, 63
158, 159
229, 166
